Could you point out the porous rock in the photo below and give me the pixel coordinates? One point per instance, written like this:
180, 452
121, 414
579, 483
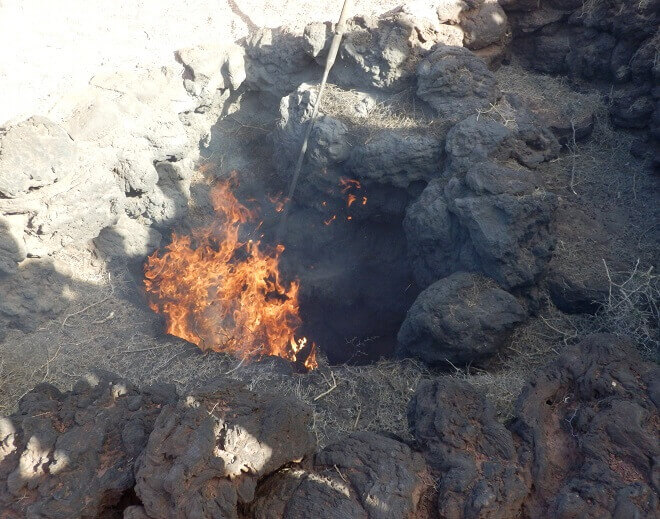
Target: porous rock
511, 130
462, 318
455, 82
212, 68
328, 145
588, 424
494, 220
483, 26
364, 476
127, 239
398, 159
632, 106
34, 293
577, 284
381, 52
84, 202
33, 154
165, 203
207, 452
71, 455
12, 243
472, 454
276, 62
84, 199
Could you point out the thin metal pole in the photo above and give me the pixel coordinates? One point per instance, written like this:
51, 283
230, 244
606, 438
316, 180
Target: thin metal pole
330, 61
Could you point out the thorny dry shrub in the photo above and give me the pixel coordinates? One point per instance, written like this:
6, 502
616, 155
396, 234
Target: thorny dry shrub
632, 309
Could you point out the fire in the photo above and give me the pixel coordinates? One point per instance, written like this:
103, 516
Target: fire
349, 201
224, 294
349, 183
279, 202
330, 220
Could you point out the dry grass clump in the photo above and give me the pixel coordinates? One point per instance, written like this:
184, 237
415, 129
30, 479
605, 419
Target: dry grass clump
366, 114
348, 398
557, 92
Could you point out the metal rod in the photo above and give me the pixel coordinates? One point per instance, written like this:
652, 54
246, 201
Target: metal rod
330, 61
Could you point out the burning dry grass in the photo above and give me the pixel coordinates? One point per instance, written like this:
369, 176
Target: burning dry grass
224, 294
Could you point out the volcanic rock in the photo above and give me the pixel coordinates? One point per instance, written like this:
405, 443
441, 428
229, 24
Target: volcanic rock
470, 452
328, 145
365, 475
33, 153
588, 427
127, 239
484, 26
213, 68
72, 454
455, 82
461, 319
276, 62
632, 106
33, 294
208, 451
167, 202
518, 134
495, 220
590, 54
398, 159
381, 52
77, 207
576, 284
12, 243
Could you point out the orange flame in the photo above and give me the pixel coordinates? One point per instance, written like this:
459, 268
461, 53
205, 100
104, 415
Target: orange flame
348, 183
278, 201
226, 295
364, 200
330, 220
350, 200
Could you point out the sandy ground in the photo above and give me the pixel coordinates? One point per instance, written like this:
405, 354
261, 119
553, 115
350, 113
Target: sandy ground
51, 47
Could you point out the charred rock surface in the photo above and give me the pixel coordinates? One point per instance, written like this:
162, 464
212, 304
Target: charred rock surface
72, 454
460, 319
472, 455
588, 426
